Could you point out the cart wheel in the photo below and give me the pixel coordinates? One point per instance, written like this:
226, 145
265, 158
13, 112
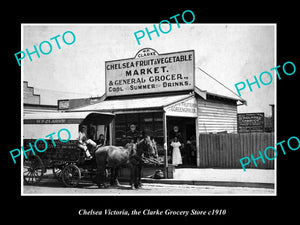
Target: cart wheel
57, 173
33, 170
71, 175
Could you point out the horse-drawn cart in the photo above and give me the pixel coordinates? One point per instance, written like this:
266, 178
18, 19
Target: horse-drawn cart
66, 160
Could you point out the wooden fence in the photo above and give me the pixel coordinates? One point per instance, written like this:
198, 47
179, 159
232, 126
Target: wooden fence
225, 150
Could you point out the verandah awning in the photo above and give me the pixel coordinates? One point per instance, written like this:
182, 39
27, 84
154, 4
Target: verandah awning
133, 103
68, 117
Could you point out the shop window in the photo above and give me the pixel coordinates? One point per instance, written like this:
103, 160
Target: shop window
120, 134
150, 123
146, 123
132, 119
120, 129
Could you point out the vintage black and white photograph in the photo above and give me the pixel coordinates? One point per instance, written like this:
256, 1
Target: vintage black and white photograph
148, 109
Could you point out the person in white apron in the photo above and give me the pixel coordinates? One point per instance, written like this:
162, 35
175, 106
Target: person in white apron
176, 155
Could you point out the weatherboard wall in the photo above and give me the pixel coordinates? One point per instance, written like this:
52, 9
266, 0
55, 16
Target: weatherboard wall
216, 115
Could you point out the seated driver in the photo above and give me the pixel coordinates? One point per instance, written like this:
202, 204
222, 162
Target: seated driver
84, 141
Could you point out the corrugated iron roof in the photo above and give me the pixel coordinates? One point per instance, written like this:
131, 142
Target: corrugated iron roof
208, 85
214, 87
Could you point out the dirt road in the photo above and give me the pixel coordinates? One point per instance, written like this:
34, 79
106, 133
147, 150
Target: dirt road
55, 188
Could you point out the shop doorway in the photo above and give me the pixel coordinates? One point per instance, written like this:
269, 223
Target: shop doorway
184, 128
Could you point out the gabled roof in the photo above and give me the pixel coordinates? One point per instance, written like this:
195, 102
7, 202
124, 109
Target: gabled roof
207, 85
210, 85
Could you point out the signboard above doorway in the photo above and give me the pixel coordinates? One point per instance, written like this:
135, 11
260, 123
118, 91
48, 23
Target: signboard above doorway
185, 108
150, 72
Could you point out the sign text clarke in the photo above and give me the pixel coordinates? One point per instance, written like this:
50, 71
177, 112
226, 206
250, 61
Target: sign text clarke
158, 73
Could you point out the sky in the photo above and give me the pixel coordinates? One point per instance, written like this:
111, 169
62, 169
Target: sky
231, 53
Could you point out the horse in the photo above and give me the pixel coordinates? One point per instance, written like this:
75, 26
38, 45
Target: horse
117, 156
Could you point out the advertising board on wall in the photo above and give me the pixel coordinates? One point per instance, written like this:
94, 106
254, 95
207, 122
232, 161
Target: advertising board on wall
152, 73
250, 122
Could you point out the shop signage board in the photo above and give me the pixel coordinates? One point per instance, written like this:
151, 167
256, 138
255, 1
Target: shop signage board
63, 104
250, 122
185, 108
150, 72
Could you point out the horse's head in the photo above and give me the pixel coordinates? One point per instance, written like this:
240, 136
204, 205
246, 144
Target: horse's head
131, 147
145, 146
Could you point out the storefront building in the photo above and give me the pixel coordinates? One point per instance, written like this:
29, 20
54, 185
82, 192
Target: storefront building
156, 95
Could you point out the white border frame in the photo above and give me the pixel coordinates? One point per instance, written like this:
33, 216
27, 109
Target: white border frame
110, 24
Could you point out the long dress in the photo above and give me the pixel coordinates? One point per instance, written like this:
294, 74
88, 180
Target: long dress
176, 156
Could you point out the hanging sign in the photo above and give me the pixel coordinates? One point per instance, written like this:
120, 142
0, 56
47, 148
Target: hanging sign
186, 108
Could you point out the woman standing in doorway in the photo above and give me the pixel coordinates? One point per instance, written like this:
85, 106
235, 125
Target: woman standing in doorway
176, 156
